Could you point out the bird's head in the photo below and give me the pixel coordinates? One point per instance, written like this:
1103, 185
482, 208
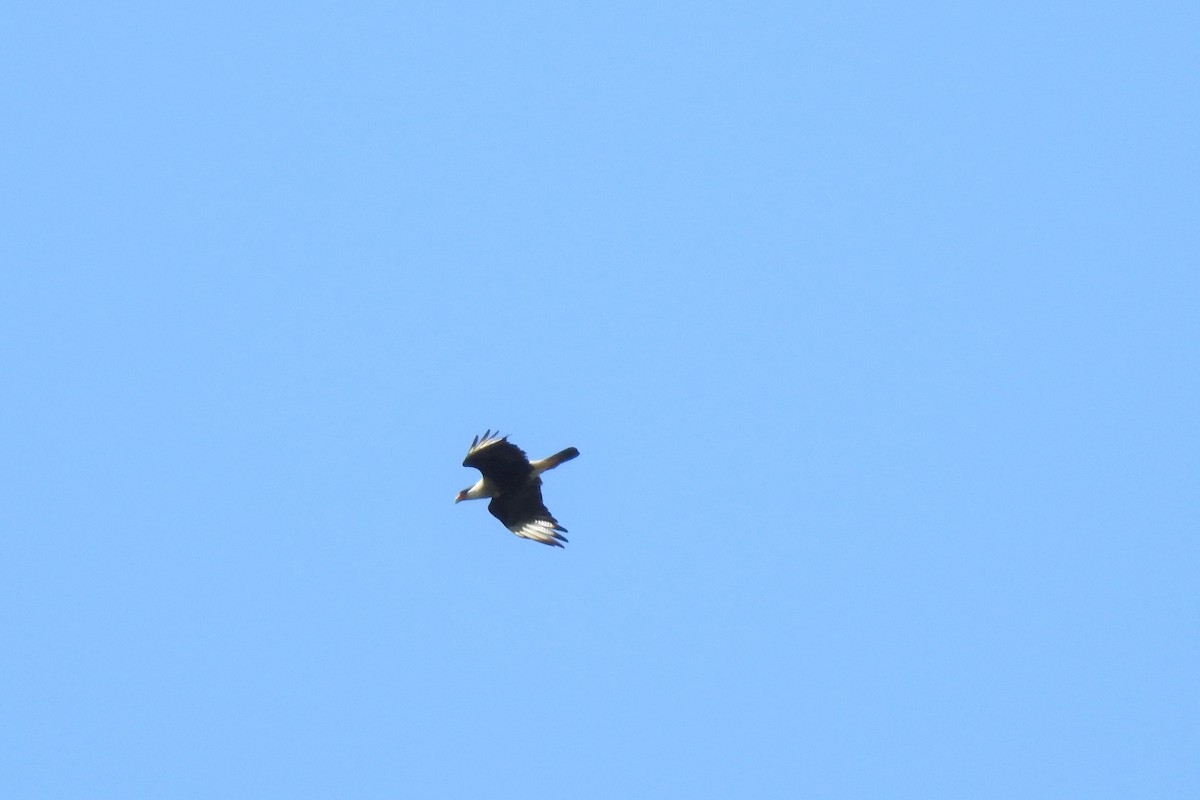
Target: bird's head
474, 492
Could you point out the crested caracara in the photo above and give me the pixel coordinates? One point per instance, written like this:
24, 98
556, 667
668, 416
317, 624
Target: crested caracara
512, 481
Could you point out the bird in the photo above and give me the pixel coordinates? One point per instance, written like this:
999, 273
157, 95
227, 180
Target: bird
511, 480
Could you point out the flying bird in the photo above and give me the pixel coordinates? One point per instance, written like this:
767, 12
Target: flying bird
512, 481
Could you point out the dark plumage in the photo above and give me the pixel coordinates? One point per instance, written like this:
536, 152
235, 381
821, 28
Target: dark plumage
503, 463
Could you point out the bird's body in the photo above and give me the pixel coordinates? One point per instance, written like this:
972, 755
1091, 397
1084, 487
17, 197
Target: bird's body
512, 482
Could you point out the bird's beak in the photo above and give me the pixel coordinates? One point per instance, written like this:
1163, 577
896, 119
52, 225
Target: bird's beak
459, 497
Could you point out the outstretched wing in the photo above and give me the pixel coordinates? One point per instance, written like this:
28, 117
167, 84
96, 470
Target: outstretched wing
523, 512
501, 462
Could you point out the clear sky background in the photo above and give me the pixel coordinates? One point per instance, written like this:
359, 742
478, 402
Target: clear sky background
877, 326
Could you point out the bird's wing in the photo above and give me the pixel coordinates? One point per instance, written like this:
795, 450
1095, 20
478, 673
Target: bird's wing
523, 512
500, 461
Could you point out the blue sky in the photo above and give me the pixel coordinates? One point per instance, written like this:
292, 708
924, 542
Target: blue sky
876, 326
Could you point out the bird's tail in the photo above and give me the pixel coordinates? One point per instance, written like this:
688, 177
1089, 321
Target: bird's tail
553, 461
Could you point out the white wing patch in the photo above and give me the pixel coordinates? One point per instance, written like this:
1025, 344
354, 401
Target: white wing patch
487, 440
541, 530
